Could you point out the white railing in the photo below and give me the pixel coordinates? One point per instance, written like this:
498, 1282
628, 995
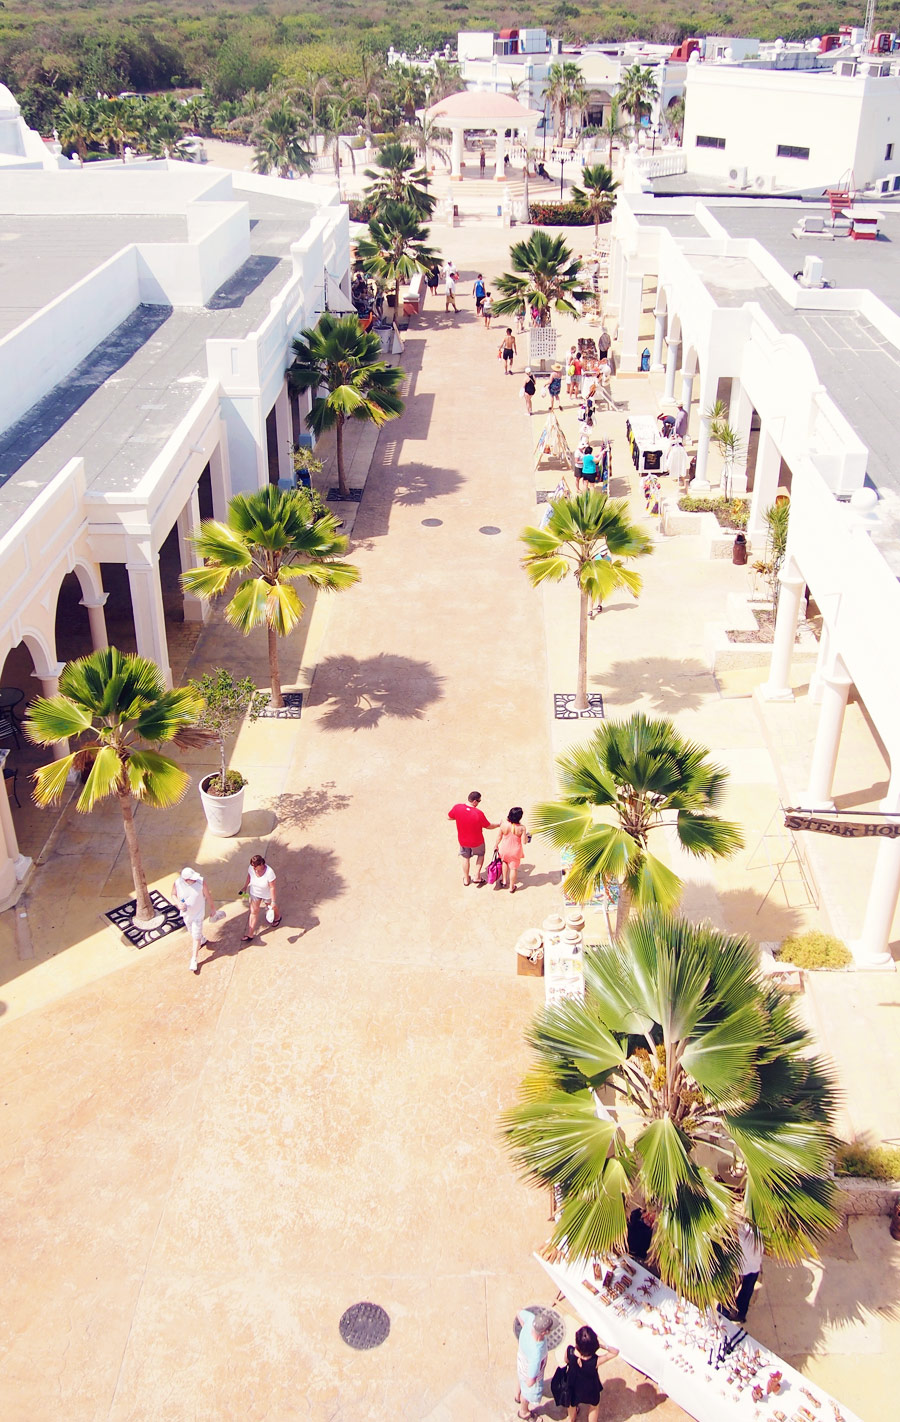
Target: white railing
660, 165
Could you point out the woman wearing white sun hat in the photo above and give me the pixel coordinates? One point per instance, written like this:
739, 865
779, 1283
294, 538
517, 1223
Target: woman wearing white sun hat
193, 898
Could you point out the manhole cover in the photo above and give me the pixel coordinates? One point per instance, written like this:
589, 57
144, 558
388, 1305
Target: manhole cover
488, 528
432, 522
364, 1325
557, 1332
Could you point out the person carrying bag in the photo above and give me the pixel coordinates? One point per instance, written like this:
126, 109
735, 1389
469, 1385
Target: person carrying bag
578, 1382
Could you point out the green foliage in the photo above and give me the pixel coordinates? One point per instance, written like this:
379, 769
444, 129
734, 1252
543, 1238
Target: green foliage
561, 214
396, 249
879, 1162
731, 513
545, 274
226, 701
815, 950
678, 1023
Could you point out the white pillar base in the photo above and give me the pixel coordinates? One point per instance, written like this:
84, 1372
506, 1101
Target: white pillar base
871, 963
775, 693
21, 865
656, 369
816, 806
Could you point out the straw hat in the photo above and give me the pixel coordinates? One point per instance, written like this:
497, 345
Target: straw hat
574, 918
572, 937
558, 367
554, 923
531, 940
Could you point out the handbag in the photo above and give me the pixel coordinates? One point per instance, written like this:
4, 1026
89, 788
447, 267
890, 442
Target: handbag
495, 868
559, 1387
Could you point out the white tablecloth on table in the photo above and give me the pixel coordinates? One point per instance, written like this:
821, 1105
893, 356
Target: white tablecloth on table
681, 1366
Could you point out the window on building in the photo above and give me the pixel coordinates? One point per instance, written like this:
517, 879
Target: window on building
704, 141
889, 153
790, 150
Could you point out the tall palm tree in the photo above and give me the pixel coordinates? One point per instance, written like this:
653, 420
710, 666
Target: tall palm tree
400, 179
119, 123
332, 120
562, 79
644, 775
579, 98
281, 142
431, 140
270, 541
597, 194
76, 124
444, 79
613, 128
699, 1050
338, 357
674, 117
545, 275
587, 538
637, 91
370, 83
408, 84
117, 707
396, 248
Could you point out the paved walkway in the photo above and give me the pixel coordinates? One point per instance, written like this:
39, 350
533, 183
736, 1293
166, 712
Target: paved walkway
205, 1172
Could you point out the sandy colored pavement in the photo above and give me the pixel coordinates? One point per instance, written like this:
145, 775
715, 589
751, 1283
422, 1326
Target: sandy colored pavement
201, 1174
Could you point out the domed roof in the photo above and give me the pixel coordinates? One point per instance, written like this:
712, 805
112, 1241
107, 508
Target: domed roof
481, 105
9, 109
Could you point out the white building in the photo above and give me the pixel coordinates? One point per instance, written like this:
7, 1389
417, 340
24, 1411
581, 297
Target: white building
812, 381
146, 318
20, 146
791, 129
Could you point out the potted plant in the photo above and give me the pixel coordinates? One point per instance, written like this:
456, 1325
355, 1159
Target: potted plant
226, 701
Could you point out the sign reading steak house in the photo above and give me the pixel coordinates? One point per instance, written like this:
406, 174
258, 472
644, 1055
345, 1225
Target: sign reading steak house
859, 829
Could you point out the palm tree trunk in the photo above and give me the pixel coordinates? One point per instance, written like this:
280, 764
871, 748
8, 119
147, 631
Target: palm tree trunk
144, 912
339, 441
397, 302
581, 698
623, 910
274, 673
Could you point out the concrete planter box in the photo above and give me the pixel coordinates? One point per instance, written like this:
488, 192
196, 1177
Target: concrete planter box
866, 1197
223, 812
718, 542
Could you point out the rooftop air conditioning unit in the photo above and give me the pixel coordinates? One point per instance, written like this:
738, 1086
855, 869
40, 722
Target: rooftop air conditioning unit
737, 177
845, 68
813, 267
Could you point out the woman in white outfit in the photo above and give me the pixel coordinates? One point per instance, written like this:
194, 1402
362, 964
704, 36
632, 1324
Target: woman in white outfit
193, 898
263, 890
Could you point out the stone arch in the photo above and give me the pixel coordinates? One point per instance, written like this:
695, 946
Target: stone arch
42, 649
691, 362
674, 331
88, 575
662, 302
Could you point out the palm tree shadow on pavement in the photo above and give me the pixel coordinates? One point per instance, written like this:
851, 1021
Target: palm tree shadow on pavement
307, 877
298, 811
669, 684
357, 694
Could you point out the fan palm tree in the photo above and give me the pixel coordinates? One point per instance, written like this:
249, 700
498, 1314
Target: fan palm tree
395, 249
431, 140
345, 361
545, 275
444, 79
163, 137
674, 117
699, 1051
333, 118
119, 123
117, 707
637, 91
613, 128
270, 541
562, 79
597, 194
281, 142
77, 125
643, 774
400, 180
408, 84
586, 537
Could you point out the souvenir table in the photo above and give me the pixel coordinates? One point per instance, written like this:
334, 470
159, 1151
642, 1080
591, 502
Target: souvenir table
712, 1368
563, 972
645, 440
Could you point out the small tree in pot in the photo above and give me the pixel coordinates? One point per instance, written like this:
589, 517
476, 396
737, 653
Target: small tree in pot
226, 701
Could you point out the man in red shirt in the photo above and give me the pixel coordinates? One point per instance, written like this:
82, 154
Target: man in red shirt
471, 823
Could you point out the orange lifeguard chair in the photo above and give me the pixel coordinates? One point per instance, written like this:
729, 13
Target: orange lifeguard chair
841, 197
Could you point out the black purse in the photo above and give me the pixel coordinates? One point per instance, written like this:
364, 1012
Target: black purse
559, 1387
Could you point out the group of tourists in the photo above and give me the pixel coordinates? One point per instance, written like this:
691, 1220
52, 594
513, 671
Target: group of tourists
191, 894
471, 823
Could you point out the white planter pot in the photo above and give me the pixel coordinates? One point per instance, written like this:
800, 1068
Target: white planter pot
223, 812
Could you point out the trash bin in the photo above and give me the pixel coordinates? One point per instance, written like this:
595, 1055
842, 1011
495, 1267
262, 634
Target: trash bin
739, 550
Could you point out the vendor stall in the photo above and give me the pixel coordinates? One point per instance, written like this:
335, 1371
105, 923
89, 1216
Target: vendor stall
647, 445
712, 1368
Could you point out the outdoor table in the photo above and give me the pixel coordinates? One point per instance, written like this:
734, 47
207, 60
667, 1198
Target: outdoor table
10, 696
670, 1341
649, 445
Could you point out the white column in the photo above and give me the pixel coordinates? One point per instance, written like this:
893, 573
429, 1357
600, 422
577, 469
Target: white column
700, 483
659, 335
220, 479
778, 687
740, 417
687, 390
499, 166
456, 152
671, 370
820, 670
147, 607
283, 430
97, 619
871, 949
13, 865
835, 688
765, 486
196, 609
630, 321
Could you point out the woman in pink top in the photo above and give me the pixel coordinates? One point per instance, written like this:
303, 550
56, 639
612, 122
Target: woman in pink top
511, 844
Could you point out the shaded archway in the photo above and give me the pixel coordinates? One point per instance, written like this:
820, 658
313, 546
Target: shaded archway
20, 674
73, 624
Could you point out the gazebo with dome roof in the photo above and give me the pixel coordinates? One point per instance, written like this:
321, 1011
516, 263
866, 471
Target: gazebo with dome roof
481, 109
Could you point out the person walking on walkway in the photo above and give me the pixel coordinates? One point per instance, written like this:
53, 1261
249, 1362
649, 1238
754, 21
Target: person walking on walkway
583, 1379
487, 308
511, 847
528, 389
531, 1358
450, 292
482, 161
751, 1263
262, 886
554, 388
478, 291
471, 823
193, 898
507, 351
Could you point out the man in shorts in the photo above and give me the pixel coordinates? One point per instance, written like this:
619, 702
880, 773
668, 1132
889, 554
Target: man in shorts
193, 898
471, 823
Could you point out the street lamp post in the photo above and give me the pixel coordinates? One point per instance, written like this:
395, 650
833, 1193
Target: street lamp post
562, 169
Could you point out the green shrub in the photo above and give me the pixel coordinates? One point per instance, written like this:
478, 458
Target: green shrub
815, 950
879, 1162
731, 513
361, 211
561, 214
